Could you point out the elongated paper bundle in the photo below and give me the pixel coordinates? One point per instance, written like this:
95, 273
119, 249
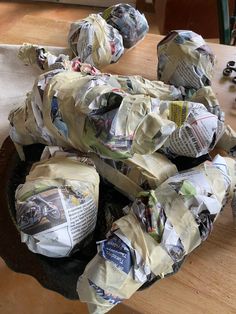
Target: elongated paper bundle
136, 174
114, 116
160, 229
131, 24
56, 208
95, 42
33, 54
88, 113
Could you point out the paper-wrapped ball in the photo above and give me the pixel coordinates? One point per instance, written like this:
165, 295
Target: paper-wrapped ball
95, 42
130, 23
56, 208
184, 59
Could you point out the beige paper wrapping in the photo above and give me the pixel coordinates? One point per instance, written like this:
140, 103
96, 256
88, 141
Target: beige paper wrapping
228, 139
97, 270
149, 170
154, 168
207, 97
106, 280
93, 41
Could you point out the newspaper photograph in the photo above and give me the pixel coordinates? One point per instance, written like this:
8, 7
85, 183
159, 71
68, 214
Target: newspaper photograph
41, 212
59, 217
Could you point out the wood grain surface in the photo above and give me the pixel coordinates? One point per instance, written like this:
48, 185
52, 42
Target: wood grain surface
207, 281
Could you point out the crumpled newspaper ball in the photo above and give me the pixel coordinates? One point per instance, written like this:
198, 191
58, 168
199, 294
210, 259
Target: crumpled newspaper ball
184, 59
95, 42
131, 24
56, 208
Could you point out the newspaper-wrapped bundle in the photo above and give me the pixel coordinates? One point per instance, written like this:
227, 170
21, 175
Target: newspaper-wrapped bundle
46, 61
134, 175
131, 24
160, 229
70, 109
184, 59
33, 54
56, 208
198, 130
114, 116
95, 42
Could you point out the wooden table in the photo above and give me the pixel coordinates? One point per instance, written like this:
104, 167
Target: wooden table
207, 281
